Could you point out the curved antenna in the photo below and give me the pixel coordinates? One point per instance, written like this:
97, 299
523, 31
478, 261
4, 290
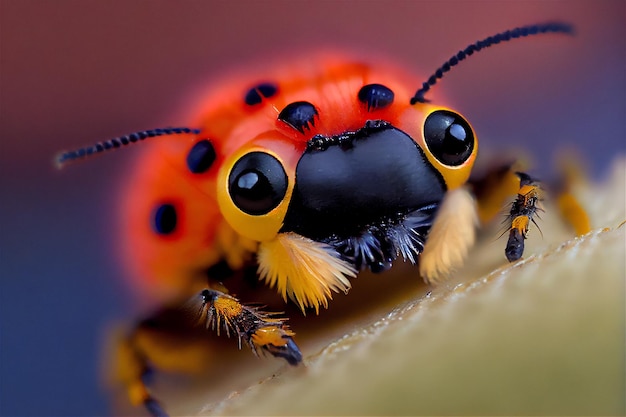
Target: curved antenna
520, 32
120, 141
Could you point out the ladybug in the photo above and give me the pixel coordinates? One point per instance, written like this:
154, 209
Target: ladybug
326, 168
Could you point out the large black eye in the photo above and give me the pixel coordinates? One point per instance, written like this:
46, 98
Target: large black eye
449, 137
257, 183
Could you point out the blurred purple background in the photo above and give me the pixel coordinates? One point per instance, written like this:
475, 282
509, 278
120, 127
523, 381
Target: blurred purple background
75, 72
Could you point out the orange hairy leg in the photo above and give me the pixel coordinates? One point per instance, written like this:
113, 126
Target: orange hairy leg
521, 215
572, 211
174, 340
496, 188
164, 341
252, 326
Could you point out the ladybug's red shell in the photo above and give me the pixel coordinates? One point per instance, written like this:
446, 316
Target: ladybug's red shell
166, 265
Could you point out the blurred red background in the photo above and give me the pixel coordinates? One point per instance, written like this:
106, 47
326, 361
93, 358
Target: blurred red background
75, 72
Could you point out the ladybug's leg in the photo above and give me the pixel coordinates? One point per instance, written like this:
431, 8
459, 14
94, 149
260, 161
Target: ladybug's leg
130, 371
256, 328
175, 340
569, 206
494, 191
167, 341
521, 214
496, 188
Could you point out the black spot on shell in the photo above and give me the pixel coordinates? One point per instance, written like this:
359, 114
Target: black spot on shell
375, 96
164, 219
300, 115
201, 157
256, 94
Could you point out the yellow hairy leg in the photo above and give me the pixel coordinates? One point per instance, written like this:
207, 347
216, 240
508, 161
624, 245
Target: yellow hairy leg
453, 232
165, 342
572, 177
176, 340
501, 183
256, 328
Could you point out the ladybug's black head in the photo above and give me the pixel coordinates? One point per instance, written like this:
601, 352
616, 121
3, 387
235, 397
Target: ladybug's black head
371, 194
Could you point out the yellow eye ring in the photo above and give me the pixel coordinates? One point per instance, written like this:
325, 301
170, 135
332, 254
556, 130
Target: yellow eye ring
254, 190
448, 141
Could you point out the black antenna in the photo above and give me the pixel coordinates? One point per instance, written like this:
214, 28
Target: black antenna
118, 142
520, 32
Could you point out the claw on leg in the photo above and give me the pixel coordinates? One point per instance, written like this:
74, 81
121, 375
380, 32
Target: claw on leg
154, 408
278, 342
